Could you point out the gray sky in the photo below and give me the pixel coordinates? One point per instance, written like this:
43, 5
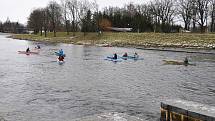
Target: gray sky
19, 10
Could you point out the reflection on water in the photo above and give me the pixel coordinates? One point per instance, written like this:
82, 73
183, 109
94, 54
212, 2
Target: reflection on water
36, 88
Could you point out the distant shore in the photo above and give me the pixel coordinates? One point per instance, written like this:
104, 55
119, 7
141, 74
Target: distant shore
122, 39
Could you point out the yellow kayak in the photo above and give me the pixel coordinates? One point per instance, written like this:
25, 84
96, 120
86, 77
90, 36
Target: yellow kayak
173, 62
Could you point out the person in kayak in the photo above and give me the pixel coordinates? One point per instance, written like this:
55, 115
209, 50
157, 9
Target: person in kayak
125, 55
37, 47
136, 55
115, 56
27, 50
186, 60
61, 53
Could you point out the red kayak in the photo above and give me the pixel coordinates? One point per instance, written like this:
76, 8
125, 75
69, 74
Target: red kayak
27, 53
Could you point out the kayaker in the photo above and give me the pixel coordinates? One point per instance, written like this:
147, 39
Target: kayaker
125, 55
115, 56
37, 47
27, 50
61, 53
136, 55
186, 60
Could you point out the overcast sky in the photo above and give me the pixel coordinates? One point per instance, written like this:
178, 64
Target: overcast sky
19, 10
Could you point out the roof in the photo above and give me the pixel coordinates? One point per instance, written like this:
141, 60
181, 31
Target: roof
119, 29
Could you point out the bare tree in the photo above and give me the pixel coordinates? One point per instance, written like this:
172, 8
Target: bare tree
194, 14
1, 27
64, 6
212, 13
46, 20
202, 14
73, 8
163, 11
35, 21
84, 8
95, 8
55, 15
185, 12
144, 11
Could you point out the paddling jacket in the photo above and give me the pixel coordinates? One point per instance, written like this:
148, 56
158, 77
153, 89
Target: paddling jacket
27, 50
61, 53
115, 56
125, 55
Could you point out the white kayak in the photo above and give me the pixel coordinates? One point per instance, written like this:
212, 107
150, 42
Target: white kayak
60, 62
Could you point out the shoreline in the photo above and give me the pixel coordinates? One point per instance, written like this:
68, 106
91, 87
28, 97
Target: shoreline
166, 43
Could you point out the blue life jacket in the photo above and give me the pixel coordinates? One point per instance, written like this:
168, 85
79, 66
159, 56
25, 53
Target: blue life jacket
61, 53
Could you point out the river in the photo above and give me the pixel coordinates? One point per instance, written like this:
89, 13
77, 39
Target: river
37, 88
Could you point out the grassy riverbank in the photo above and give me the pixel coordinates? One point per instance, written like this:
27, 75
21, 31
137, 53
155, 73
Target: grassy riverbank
181, 40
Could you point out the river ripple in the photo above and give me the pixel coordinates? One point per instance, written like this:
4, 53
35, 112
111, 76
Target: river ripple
36, 88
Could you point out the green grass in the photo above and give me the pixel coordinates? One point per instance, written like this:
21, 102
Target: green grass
192, 40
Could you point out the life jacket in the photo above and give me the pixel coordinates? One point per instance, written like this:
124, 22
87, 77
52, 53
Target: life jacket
61, 53
60, 58
27, 50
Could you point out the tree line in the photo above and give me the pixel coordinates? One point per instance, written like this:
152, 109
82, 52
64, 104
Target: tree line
154, 16
12, 27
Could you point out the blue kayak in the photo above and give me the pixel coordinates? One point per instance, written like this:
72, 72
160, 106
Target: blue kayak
131, 57
58, 54
109, 58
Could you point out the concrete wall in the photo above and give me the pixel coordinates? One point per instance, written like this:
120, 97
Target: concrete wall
181, 110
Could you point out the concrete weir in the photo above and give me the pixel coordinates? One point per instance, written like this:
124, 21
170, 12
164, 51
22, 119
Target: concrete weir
110, 117
181, 110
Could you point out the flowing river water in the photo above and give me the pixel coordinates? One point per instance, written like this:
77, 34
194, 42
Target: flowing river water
37, 88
